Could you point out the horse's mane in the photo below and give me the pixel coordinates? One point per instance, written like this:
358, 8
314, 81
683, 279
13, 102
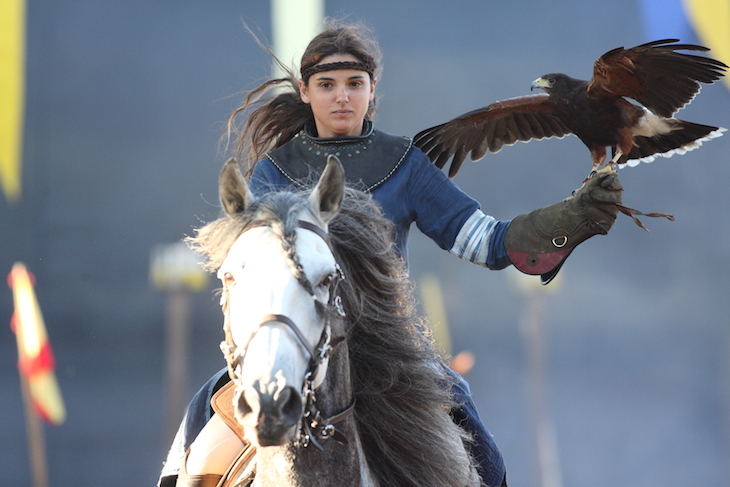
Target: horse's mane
401, 386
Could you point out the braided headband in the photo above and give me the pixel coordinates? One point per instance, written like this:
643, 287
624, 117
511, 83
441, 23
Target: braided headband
318, 68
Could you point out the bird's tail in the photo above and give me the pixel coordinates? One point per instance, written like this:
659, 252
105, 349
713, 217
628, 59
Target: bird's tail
684, 137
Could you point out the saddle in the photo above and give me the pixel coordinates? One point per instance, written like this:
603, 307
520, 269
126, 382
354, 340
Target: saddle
242, 470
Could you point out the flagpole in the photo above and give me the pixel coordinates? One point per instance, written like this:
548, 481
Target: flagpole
175, 270
36, 437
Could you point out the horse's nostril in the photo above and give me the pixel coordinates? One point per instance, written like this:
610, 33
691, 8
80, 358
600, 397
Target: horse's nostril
289, 405
244, 406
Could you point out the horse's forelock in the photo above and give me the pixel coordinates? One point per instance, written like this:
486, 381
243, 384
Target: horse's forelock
215, 239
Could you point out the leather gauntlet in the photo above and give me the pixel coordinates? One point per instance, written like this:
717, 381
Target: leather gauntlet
539, 242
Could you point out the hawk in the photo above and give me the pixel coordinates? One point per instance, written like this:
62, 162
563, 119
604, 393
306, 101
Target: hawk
657, 77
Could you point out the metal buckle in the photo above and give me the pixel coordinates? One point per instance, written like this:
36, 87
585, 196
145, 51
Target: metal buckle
560, 241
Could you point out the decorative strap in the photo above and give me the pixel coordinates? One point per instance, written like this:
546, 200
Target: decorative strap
285, 320
321, 429
316, 229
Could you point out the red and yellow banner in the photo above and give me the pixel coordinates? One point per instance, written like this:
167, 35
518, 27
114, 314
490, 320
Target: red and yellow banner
35, 356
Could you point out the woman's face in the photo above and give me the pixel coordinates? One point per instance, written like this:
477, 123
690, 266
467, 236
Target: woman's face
339, 98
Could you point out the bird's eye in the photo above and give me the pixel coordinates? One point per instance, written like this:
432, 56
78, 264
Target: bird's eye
551, 81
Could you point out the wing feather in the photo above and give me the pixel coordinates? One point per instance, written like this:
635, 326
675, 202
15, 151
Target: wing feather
481, 148
535, 125
489, 129
497, 141
655, 74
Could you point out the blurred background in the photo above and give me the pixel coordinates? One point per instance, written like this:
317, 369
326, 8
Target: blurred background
617, 374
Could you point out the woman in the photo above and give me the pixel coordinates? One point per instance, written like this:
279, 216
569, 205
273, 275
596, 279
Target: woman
328, 110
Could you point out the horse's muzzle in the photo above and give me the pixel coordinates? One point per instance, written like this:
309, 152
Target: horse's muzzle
268, 419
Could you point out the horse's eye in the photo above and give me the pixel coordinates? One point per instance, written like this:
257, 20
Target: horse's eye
228, 278
326, 280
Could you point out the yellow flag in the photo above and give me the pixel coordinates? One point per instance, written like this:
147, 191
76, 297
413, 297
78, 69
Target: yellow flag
35, 356
12, 94
711, 21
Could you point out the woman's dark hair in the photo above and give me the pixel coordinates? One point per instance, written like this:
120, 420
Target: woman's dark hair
279, 115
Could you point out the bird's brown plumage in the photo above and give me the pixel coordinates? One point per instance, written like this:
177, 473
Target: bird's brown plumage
596, 111
655, 75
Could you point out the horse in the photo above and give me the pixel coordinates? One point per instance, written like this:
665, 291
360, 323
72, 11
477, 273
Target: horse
336, 379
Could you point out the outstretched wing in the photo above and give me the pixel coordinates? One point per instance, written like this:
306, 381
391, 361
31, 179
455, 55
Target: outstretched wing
489, 129
655, 75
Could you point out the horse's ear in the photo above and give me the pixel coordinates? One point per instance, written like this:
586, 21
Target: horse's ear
329, 191
234, 193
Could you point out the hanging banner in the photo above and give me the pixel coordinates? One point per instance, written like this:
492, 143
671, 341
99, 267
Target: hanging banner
35, 356
12, 95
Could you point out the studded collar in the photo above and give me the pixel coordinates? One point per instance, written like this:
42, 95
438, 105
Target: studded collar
369, 159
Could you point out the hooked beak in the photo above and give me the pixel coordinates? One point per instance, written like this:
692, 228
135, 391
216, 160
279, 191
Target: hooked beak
539, 84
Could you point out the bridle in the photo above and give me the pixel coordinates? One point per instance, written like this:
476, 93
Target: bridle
313, 426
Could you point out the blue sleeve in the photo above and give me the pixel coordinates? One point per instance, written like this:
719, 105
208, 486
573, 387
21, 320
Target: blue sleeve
441, 209
439, 206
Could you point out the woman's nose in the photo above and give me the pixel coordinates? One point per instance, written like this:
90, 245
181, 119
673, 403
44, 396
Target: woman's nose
342, 94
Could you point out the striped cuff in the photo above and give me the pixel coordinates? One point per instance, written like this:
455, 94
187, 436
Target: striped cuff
472, 242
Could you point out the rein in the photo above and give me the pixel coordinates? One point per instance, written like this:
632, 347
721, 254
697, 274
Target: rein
313, 426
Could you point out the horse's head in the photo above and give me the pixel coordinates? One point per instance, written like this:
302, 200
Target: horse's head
278, 289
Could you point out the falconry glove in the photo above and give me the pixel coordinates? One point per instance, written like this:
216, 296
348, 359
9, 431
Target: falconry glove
539, 242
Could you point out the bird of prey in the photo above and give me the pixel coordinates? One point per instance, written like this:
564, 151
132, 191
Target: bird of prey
656, 76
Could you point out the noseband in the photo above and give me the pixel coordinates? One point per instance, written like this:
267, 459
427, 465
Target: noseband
313, 426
